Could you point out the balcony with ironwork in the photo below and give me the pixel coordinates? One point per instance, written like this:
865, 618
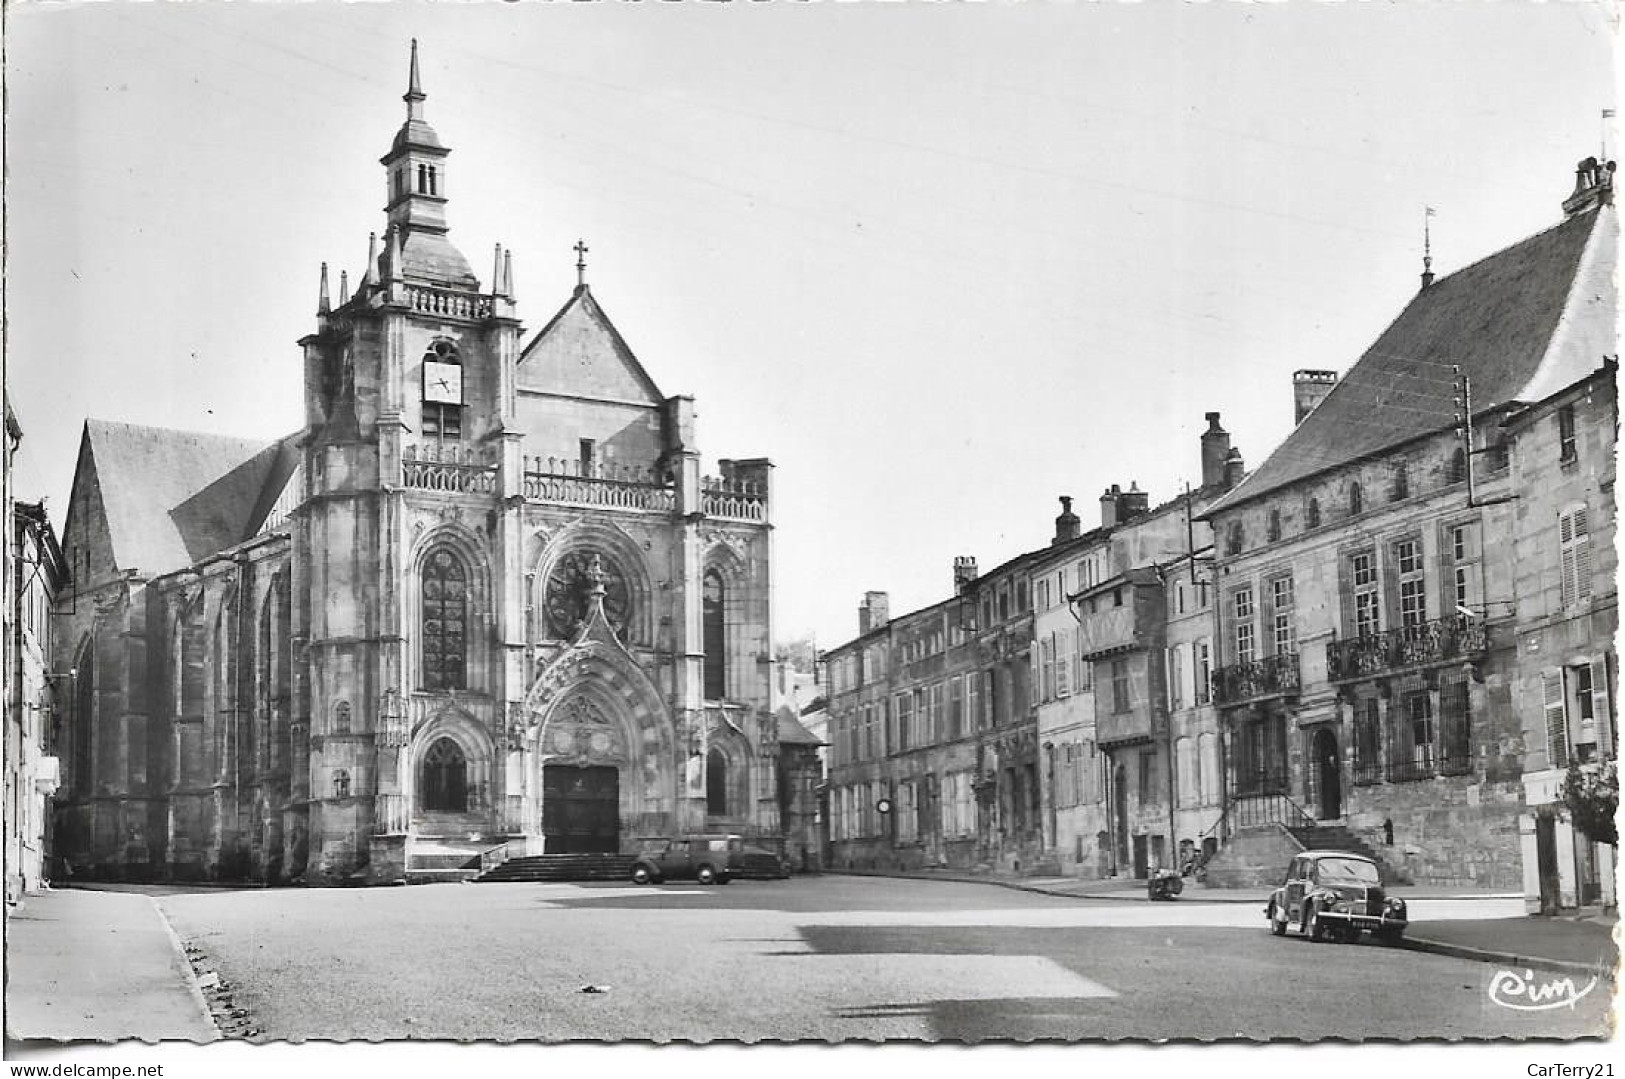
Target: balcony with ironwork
1455, 638
1241, 683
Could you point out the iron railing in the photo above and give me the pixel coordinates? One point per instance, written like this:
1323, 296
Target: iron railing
1273, 676
1453, 637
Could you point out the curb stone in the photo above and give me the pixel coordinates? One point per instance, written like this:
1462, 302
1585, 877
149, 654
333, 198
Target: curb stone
1506, 959
183, 966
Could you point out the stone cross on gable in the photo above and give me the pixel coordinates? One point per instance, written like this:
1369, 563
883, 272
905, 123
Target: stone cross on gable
581, 250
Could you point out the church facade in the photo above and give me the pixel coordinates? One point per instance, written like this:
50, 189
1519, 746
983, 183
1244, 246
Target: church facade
484, 600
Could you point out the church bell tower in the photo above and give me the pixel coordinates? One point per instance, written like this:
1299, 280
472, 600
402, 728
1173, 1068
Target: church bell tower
411, 473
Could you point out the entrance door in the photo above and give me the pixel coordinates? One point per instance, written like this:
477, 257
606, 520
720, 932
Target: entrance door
1141, 867
1551, 888
581, 809
1328, 774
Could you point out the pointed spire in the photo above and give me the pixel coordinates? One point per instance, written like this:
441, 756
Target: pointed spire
322, 306
371, 276
1427, 246
414, 96
344, 287
394, 252
507, 274
496, 273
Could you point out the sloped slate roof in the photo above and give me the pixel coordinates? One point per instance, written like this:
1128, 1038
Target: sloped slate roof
174, 497
791, 732
580, 351
1496, 320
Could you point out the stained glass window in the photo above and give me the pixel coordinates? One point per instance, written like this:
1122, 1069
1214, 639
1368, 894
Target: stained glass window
445, 622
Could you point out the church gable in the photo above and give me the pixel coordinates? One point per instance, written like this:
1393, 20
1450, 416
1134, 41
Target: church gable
581, 354
86, 537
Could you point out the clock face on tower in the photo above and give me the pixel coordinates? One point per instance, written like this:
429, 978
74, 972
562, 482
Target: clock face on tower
569, 586
442, 382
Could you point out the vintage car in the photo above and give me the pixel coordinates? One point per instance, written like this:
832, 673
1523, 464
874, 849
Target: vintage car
1335, 895
709, 859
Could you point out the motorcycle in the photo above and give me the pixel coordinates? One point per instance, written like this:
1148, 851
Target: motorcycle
1164, 884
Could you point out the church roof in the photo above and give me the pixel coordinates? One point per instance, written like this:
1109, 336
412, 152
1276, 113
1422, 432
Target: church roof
431, 256
581, 352
175, 497
1520, 324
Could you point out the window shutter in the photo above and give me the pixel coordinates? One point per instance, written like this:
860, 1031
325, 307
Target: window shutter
1557, 723
1390, 585
1447, 571
1063, 663
1601, 706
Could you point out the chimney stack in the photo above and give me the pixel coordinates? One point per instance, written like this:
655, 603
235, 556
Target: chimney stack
1132, 503
1234, 469
1215, 448
964, 572
1067, 525
1309, 388
874, 613
1108, 506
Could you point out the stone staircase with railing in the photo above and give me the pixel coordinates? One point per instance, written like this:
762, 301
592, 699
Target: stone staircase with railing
1259, 835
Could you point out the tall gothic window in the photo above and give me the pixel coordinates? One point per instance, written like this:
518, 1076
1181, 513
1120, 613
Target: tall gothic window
716, 682
445, 622
716, 783
445, 777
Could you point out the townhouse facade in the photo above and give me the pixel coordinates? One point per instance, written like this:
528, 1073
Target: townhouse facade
1566, 671
1369, 687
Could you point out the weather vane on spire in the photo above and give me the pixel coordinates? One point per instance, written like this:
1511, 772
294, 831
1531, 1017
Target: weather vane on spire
1427, 246
581, 262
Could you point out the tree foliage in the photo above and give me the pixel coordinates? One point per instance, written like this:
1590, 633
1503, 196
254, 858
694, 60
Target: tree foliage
1591, 797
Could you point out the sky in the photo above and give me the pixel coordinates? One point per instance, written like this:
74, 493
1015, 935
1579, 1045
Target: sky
941, 263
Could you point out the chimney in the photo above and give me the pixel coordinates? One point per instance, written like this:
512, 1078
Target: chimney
1108, 506
1234, 469
1309, 388
874, 613
1593, 187
1132, 503
1215, 448
964, 572
1067, 525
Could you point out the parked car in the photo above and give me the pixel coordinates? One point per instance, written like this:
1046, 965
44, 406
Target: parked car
709, 859
1335, 895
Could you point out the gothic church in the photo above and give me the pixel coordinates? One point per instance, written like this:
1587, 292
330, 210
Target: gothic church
484, 599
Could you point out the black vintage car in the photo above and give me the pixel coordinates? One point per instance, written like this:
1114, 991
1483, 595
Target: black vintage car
1335, 895
709, 859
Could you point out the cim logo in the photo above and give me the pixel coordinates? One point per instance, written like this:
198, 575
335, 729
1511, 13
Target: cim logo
1524, 994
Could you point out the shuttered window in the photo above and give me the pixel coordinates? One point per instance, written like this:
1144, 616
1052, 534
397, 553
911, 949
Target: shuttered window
1557, 720
1574, 537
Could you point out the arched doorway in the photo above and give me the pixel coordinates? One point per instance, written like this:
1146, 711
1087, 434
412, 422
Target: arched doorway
445, 778
716, 783
1328, 774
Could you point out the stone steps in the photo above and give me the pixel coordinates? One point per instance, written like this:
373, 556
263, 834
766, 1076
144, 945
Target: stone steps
560, 867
